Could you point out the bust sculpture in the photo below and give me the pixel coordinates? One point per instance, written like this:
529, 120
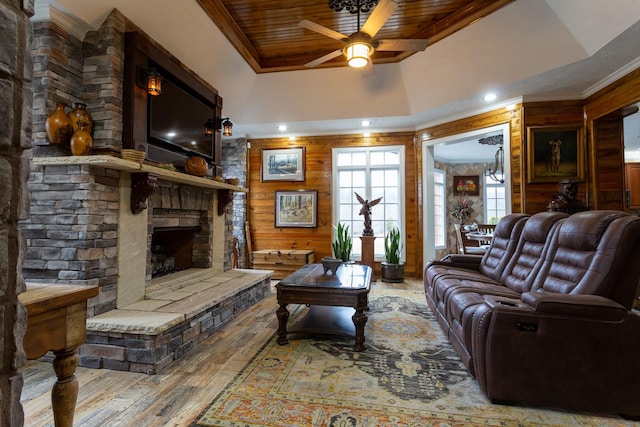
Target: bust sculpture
566, 200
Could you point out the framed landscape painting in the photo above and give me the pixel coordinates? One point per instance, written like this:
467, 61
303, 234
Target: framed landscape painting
284, 164
296, 208
555, 153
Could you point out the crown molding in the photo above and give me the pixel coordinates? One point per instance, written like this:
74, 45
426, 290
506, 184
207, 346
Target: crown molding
613, 77
47, 10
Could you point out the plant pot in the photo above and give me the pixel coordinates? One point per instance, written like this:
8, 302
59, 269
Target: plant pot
393, 273
331, 264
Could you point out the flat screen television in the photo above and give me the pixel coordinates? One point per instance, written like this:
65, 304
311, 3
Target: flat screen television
176, 123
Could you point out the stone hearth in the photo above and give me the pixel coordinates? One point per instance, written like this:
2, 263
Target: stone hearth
177, 314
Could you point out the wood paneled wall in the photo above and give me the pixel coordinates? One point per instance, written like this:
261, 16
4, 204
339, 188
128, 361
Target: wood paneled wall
603, 114
563, 113
603, 187
318, 168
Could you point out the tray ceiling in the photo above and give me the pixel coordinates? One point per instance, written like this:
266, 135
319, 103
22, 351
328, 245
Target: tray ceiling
267, 35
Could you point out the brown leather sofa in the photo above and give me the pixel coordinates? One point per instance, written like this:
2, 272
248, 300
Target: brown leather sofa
544, 317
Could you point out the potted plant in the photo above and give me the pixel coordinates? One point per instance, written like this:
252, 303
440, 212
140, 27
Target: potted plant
392, 268
343, 244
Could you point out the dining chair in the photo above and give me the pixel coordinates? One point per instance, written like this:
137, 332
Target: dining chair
466, 246
487, 229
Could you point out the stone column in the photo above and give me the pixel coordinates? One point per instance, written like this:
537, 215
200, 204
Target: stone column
16, 69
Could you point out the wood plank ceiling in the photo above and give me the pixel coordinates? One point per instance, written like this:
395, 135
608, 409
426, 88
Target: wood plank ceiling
267, 35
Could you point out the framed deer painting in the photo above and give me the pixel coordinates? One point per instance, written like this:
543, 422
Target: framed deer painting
555, 153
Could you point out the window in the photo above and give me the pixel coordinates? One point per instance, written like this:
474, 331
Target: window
439, 210
494, 201
372, 172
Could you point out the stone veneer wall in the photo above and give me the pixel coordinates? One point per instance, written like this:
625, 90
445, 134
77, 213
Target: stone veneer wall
15, 144
90, 71
234, 165
72, 230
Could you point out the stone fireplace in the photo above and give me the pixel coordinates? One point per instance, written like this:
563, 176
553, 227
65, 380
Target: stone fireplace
91, 225
83, 229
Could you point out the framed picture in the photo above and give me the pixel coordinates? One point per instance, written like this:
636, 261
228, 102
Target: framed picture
284, 164
297, 208
555, 153
466, 184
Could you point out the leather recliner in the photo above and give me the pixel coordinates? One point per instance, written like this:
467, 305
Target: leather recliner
554, 325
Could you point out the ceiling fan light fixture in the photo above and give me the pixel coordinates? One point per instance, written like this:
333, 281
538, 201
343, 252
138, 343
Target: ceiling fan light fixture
358, 53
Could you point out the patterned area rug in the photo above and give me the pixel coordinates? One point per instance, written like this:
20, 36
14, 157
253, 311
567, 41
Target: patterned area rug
408, 376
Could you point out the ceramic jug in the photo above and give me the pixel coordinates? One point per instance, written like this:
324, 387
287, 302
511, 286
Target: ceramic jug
58, 126
81, 141
78, 113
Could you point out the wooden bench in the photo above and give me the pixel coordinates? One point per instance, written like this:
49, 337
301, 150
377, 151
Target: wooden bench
283, 262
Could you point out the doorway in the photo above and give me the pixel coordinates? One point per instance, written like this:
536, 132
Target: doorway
457, 145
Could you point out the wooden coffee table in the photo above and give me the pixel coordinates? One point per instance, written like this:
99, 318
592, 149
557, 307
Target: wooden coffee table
336, 302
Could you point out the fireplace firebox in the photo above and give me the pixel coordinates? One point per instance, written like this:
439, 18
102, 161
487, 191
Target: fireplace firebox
172, 249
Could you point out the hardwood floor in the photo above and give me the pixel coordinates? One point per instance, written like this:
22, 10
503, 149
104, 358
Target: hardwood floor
172, 398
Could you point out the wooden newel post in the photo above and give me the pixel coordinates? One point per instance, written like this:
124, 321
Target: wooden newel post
368, 257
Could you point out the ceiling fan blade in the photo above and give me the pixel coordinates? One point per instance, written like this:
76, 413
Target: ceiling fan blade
324, 58
305, 23
381, 13
401, 45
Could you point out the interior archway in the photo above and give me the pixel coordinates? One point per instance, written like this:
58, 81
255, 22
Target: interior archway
458, 148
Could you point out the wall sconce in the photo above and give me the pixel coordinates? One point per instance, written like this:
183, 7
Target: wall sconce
208, 127
150, 80
154, 82
226, 126
497, 173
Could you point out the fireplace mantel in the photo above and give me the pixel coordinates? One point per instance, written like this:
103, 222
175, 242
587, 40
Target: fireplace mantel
116, 163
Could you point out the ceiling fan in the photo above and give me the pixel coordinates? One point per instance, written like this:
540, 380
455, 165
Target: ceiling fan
360, 45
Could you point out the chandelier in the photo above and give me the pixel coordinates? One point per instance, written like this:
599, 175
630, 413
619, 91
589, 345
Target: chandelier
497, 172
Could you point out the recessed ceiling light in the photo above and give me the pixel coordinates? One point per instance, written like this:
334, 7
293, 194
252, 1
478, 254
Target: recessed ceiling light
490, 97
365, 123
292, 138
282, 127
366, 134
171, 134
193, 143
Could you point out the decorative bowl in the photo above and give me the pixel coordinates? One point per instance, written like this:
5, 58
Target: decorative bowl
331, 264
470, 227
233, 181
196, 166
